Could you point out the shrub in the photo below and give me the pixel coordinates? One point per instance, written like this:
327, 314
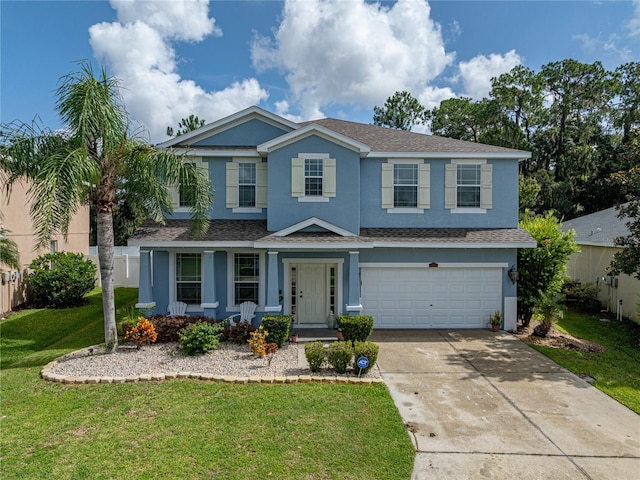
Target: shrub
339, 355
584, 296
366, 349
61, 279
141, 332
356, 327
278, 327
238, 333
258, 342
200, 337
169, 328
315, 354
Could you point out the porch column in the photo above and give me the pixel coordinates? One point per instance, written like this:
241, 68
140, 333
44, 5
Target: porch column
353, 304
145, 287
209, 297
273, 302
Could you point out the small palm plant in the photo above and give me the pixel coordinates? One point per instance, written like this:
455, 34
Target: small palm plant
549, 310
9, 254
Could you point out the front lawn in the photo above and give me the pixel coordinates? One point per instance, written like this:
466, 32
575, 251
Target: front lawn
616, 371
182, 428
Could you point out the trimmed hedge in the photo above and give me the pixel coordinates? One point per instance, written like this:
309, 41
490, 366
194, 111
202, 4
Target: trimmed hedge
339, 356
315, 354
278, 327
366, 349
356, 328
201, 337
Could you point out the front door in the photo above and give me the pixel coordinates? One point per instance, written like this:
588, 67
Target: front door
312, 293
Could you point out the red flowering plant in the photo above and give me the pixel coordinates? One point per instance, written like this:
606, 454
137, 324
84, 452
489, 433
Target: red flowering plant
141, 332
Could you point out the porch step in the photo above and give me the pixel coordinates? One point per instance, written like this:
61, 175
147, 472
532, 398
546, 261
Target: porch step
316, 334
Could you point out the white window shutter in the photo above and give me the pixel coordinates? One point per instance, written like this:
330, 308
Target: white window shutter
297, 177
387, 185
329, 177
424, 185
486, 186
450, 188
261, 185
174, 195
232, 185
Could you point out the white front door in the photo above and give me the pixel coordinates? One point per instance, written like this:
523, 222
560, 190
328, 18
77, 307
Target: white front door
312, 293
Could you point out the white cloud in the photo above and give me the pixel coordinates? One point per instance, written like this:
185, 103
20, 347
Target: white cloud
476, 74
352, 52
634, 24
138, 52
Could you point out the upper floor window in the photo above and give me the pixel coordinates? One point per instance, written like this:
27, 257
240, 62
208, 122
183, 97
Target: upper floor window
468, 186
405, 185
185, 193
246, 185
189, 278
312, 177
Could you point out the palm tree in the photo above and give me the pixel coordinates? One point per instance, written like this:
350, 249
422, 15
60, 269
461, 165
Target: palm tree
9, 254
96, 161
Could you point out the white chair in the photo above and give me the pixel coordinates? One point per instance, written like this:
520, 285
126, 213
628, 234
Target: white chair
177, 309
247, 313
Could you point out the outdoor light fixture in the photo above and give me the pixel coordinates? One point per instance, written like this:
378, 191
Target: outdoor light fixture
514, 275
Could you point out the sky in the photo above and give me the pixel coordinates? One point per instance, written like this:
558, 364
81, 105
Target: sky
302, 59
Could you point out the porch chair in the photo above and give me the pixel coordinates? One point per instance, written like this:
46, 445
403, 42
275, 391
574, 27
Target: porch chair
247, 312
177, 309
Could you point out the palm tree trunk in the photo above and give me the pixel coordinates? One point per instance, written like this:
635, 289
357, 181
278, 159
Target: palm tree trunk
105, 257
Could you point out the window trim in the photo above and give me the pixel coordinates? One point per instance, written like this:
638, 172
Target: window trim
454, 187
415, 185
298, 185
253, 207
177, 208
424, 183
260, 186
234, 308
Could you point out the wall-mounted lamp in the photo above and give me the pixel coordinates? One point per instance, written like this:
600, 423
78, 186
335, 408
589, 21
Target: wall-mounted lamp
514, 274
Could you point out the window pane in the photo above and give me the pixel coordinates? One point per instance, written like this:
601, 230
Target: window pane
468, 196
246, 173
188, 267
312, 167
246, 196
246, 292
313, 186
405, 196
405, 174
247, 267
186, 195
469, 175
188, 293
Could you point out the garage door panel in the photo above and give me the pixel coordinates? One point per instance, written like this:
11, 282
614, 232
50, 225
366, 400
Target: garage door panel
431, 298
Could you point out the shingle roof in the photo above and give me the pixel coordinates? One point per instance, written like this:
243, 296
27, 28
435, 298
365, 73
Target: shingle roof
599, 228
178, 231
382, 139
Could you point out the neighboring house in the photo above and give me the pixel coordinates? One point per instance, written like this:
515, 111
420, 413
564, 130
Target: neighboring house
338, 217
17, 221
595, 234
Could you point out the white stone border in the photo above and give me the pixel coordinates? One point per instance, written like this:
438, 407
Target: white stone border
47, 374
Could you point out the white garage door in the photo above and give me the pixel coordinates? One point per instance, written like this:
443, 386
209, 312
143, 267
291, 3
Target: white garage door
431, 297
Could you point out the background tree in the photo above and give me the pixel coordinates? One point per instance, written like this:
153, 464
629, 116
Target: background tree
89, 163
192, 122
542, 268
401, 111
9, 254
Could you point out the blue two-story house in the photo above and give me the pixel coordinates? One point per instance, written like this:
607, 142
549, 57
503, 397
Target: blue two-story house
330, 217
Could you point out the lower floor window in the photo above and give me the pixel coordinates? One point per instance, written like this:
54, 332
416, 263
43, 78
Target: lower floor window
189, 278
246, 278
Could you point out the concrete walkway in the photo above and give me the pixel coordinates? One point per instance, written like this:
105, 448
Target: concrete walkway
482, 405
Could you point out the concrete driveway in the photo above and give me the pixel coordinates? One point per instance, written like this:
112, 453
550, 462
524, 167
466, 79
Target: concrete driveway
482, 405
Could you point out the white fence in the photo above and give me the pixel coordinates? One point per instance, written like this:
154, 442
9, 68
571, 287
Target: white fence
126, 266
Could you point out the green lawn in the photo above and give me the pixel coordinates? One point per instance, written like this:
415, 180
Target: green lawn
617, 371
181, 428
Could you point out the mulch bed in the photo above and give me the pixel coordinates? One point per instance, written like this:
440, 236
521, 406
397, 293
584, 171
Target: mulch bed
557, 339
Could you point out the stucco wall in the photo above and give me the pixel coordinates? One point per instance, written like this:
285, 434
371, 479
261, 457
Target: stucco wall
17, 221
593, 262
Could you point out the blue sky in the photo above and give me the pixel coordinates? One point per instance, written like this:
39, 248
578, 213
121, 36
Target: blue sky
302, 59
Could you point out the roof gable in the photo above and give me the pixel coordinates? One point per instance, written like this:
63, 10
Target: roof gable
227, 123
308, 224
310, 130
